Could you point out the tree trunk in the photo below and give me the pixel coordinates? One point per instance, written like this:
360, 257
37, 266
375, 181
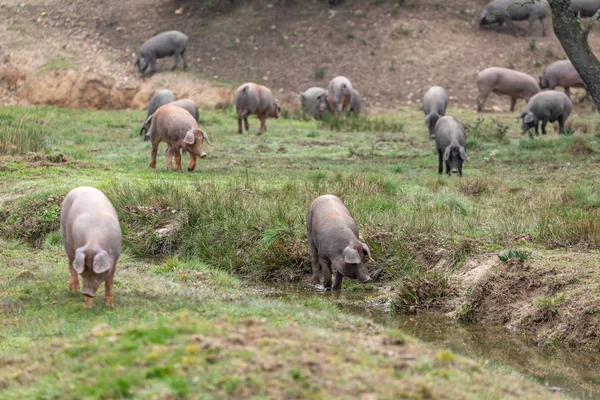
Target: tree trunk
573, 36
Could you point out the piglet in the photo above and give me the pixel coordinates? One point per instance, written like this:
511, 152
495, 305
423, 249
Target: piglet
333, 243
92, 237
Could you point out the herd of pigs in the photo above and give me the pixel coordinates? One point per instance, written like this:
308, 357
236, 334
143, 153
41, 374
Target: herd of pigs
89, 224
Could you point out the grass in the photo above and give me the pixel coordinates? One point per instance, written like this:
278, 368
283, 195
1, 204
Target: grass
56, 64
195, 242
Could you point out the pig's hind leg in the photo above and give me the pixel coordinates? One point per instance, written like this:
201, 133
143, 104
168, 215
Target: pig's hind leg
316, 266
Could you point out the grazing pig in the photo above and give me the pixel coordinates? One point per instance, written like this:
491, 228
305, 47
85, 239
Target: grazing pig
501, 11
450, 143
435, 102
355, 102
561, 73
505, 81
333, 243
158, 99
179, 130
186, 104
251, 98
585, 8
548, 106
339, 93
92, 237
315, 102
165, 44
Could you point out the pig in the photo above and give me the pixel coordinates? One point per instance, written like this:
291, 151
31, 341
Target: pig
339, 93
435, 102
158, 99
92, 238
561, 73
451, 144
355, 102
165, 44
315, 102
505, 81
333, 243
178, 128
251, 98
585, 8
501, 11
187, 104
548, 106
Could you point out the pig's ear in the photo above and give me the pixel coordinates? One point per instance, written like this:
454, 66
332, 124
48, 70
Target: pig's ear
189, 138
463, 153
101, 262
79, 262
367, 251
205, 136
528, 118
447, 154
351, 256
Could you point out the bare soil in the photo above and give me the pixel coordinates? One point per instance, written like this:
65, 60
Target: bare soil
391, 53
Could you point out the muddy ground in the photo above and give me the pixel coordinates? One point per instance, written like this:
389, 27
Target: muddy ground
392, 53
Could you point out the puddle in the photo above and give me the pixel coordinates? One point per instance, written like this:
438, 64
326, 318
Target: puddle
574, 373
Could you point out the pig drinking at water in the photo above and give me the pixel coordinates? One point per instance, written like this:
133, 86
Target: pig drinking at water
251, 98
179, 130
91, 235
548, 106
333, 243
450, 143
435, 102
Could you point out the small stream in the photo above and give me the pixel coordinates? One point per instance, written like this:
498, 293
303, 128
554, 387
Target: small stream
574, 373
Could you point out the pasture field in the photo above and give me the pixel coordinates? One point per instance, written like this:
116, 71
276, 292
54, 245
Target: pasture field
191, 318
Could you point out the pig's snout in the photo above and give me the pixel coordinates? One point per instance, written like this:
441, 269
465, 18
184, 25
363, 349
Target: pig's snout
89, 293
366, 279
202, 155
455, 170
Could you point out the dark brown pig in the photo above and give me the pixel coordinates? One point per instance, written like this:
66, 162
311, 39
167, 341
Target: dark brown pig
92, 238
251, 98
333, 243
179, 130
505, 81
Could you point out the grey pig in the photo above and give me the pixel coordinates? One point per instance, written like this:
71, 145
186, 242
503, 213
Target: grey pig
158, 99
451, 145
179, 130
548, 106
585, 8
92, 238
165, 44
435, 102
315, 102
339, 93
333, 243
501, 11
251, 98
355, 102
187, 104
505, 81
561, 73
